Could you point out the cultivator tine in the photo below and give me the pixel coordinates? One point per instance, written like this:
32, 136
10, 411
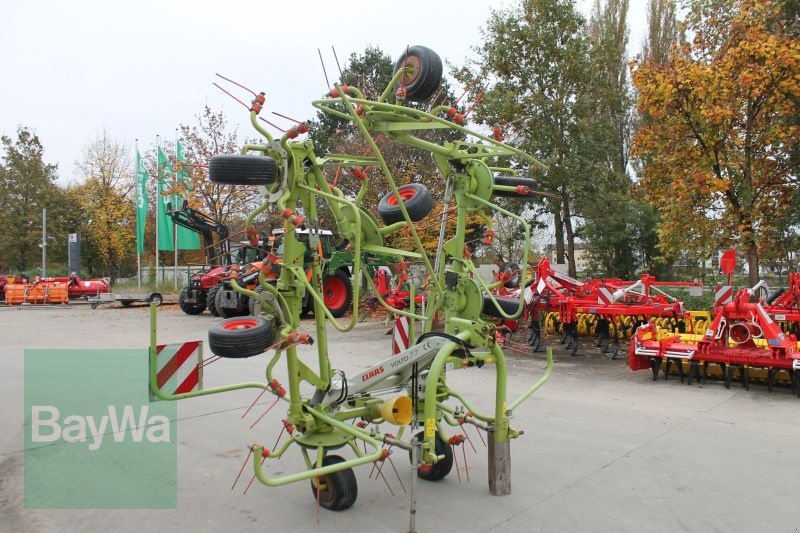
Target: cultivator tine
396, 473
464, 430
254, 402
615, 354
655, 366
678, 363
694, 372
253, 478
249, 453
273, 404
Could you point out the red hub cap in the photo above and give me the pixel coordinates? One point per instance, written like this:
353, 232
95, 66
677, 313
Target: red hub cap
335, 293
239, 323
406, 194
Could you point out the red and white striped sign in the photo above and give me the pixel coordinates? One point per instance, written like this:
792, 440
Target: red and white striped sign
178, 367
723, 294
400, 339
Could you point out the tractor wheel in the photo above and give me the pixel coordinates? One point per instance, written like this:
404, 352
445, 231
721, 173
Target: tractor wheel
514, 273
415, 196
337, 291
187, 307
240, 337
211, 299
439, 470
242, 170
426, 75
224, 312
337, 491
513, 181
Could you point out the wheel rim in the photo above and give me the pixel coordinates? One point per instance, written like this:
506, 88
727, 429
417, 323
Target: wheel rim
239, 323
335, 293
415, 62
325, 489
406, 194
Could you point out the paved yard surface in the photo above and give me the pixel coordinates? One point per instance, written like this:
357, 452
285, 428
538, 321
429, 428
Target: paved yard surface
604, 449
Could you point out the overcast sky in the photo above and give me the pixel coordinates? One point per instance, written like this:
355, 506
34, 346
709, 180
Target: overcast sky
139, 69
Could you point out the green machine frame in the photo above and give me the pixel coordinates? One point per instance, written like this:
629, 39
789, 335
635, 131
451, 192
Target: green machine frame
456, 292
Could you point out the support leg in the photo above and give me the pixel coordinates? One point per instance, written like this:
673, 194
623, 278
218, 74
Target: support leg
499, 466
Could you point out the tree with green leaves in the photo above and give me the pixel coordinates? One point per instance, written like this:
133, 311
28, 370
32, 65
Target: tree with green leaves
28, 185
536, 57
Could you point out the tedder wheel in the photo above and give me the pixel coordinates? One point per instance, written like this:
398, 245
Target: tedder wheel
508, 305
415, 196
513, 181
439, 470
514, 273
211, 300
338, 490
240, 337
337, 292
189, 308
242, 170
426, 75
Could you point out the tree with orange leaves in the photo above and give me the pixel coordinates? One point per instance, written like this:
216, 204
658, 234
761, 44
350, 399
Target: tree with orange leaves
716, 146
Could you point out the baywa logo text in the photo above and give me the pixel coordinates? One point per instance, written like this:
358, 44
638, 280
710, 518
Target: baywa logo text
48, 425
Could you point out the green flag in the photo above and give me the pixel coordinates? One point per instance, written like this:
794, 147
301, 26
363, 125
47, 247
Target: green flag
141, 202
165, 225
187, 239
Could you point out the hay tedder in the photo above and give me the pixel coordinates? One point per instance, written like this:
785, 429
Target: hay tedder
409, 390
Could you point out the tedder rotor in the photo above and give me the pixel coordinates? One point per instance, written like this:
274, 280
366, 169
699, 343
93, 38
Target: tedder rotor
410, 389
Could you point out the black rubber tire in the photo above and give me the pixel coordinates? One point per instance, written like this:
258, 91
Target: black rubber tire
187, 307
439, 470
515, 272
224, 312
342, 281
242, 170
240, 337
427, 77
126, 303
513, 181
417, 199
340, 488
508, 305
156, 298
211, 300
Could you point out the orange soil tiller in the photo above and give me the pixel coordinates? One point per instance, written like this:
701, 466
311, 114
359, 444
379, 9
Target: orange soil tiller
729, 342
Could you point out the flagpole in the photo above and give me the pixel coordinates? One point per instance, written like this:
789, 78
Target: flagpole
174, 200
138, 194
158, 199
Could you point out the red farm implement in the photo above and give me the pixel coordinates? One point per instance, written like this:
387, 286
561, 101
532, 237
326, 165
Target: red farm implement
744, 336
